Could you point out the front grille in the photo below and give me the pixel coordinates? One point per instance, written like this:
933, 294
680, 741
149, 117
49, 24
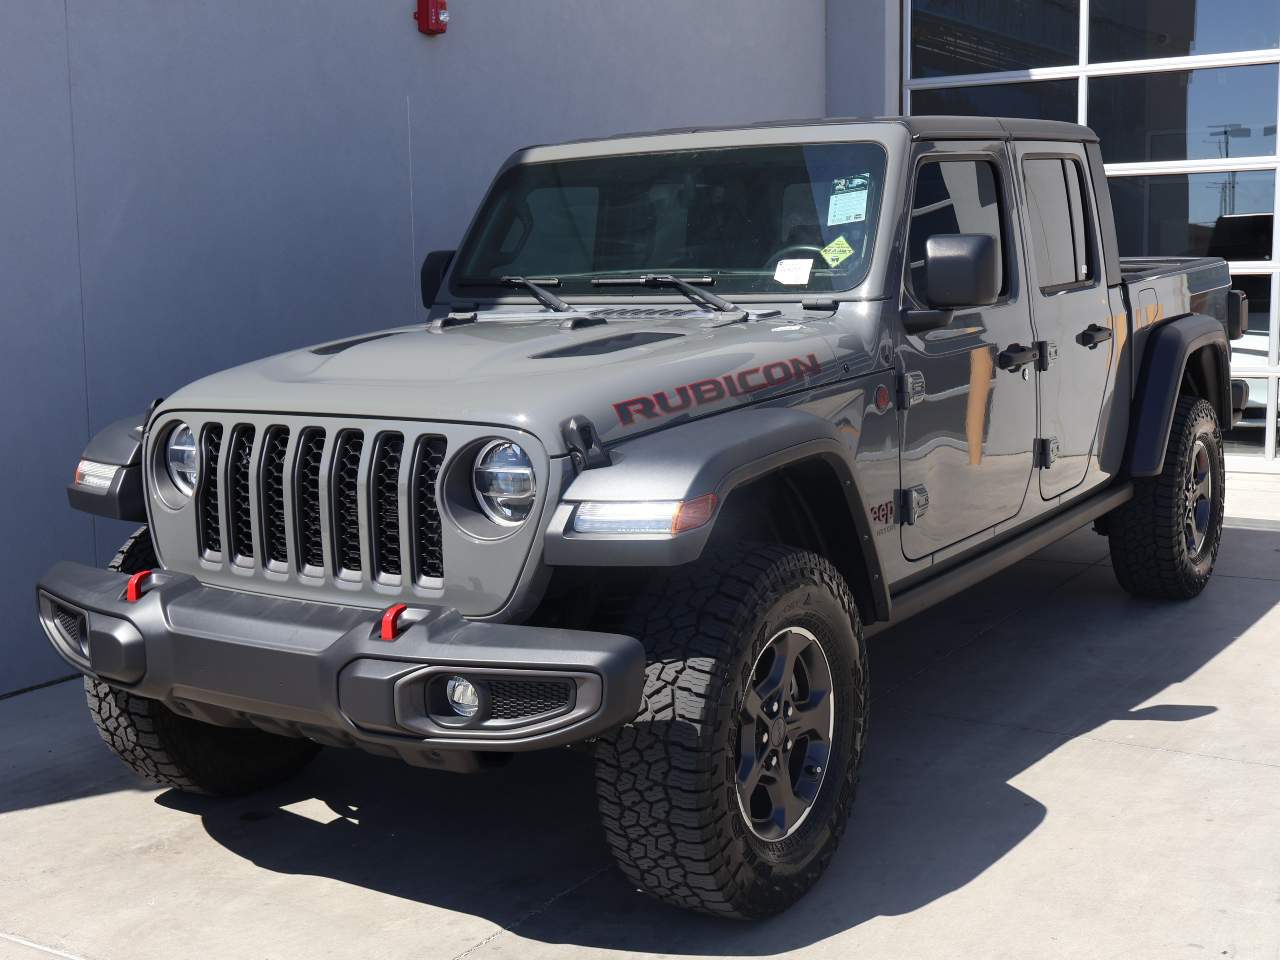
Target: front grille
207, 510
287, 497
275, 543
385, 496
346, 500
520, 699
240, 517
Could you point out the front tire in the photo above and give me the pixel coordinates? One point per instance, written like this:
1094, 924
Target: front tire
176, 751
1164, 542
729, 791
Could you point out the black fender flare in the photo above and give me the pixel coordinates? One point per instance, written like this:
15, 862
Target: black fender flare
1171, 348
710, 455
118, 445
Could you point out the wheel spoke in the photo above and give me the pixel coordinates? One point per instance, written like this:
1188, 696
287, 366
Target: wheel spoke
811, 718
787, 807
751, 768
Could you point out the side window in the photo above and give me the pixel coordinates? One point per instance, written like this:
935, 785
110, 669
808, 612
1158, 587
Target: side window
1058, 222
952, 196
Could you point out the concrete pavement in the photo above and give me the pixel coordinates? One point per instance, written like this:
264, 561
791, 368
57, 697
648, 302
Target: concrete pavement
1055, 770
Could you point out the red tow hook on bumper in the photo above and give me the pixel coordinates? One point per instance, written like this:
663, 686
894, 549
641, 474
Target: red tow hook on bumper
133, 589
390, 621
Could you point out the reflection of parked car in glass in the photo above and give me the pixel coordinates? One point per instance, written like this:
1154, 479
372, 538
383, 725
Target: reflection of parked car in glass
687, 412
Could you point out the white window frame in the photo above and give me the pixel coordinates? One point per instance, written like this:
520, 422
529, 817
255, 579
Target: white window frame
1081, 71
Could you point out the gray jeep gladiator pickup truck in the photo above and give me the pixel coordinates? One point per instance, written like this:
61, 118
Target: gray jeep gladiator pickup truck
689, 414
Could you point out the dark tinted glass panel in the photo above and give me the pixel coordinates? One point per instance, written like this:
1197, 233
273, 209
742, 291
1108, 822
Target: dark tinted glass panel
1200, 214
1146, 29
1252, 349
986, 36
1057, 223
955, 196
1249, 437
1045, 100
1185, 115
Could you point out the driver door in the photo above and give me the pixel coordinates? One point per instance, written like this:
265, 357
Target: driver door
968, 427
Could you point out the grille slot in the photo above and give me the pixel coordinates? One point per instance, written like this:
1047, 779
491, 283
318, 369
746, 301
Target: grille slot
306, 499
73, 627
275, 543
385, 503
344, 493
210, 531
428, 556
521, 699
239, 491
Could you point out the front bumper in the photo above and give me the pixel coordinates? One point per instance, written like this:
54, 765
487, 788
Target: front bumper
321, 671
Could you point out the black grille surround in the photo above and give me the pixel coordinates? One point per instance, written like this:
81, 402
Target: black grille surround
275, 538
344, 486
428, 557
524, 699
384, 504
306, 479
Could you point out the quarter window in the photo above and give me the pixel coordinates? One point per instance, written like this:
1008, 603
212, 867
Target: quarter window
952, 196
1058, 226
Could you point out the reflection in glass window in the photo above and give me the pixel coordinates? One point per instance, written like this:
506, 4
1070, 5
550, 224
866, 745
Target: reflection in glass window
1146, 29
1201, 214
986, 36
1045, 100
1186, 114
954, 196
1056, 218
1250, 434
1252, 350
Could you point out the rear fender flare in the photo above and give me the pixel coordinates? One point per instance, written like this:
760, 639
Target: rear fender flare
1192, 343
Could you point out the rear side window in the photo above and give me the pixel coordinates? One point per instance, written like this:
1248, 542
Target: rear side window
1058, 224
952, 196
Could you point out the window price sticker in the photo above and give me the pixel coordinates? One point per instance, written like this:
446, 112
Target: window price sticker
848, 202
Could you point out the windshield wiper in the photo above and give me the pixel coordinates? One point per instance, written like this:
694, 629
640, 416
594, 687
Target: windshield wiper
537, 288
704, 298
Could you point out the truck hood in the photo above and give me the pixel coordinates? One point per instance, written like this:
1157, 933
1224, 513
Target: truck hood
524, 370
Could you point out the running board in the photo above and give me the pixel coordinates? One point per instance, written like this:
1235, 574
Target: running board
999, 557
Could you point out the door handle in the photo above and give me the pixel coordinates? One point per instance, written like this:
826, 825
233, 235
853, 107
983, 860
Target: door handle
1016, 356
1092, 335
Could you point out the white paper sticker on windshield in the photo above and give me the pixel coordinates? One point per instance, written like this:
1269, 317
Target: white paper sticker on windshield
793, 272
848, 201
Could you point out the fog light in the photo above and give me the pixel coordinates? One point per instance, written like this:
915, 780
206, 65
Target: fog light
463, 696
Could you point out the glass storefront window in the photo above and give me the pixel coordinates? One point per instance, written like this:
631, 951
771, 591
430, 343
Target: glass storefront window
1147, 29
1186, 114
1225, 215
1253, 349
950, 37
1250, 434
1046, 100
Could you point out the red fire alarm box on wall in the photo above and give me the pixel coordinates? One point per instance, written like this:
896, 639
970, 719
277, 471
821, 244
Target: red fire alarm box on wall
432, 16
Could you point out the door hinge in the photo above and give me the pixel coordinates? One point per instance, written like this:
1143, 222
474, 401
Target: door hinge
1047, 353
911, 389
1046, 451
913, 504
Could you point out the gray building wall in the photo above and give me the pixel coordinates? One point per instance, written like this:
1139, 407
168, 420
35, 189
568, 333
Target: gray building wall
185, 186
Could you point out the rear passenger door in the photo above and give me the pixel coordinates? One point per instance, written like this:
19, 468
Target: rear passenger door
967, 424
1075, 331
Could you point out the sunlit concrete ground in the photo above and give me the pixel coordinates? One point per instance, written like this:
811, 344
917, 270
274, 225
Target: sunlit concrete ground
1055, 770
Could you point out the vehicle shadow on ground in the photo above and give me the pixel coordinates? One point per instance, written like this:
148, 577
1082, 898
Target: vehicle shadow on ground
967, 697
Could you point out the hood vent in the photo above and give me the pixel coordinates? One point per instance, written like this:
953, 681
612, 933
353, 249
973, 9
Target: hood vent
619, 341
644, 313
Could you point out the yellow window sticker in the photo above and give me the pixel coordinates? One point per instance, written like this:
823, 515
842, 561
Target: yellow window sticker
837, 251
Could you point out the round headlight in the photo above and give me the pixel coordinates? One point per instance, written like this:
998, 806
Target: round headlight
182, 459
503, 482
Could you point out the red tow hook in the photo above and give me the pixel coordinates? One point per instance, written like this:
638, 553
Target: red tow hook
133, 589
390, 626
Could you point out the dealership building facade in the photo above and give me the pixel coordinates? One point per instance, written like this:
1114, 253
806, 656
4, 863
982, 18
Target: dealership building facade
189, 186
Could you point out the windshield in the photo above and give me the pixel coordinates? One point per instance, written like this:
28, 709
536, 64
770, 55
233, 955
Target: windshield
781, 219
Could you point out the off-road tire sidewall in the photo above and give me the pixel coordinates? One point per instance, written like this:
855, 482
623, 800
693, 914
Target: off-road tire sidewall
666, 782
1149, 550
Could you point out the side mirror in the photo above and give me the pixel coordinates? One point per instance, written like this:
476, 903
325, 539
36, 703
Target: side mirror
961, 270
434, 266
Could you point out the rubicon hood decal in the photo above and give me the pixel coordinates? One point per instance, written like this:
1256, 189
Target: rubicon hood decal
700, 392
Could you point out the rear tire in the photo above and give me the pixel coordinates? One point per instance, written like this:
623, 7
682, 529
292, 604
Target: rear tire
1164, 542
701, 804
176, 751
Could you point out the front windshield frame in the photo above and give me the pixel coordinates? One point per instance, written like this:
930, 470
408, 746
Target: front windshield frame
575, 285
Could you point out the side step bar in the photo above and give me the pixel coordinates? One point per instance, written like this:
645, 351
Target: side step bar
999, 556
